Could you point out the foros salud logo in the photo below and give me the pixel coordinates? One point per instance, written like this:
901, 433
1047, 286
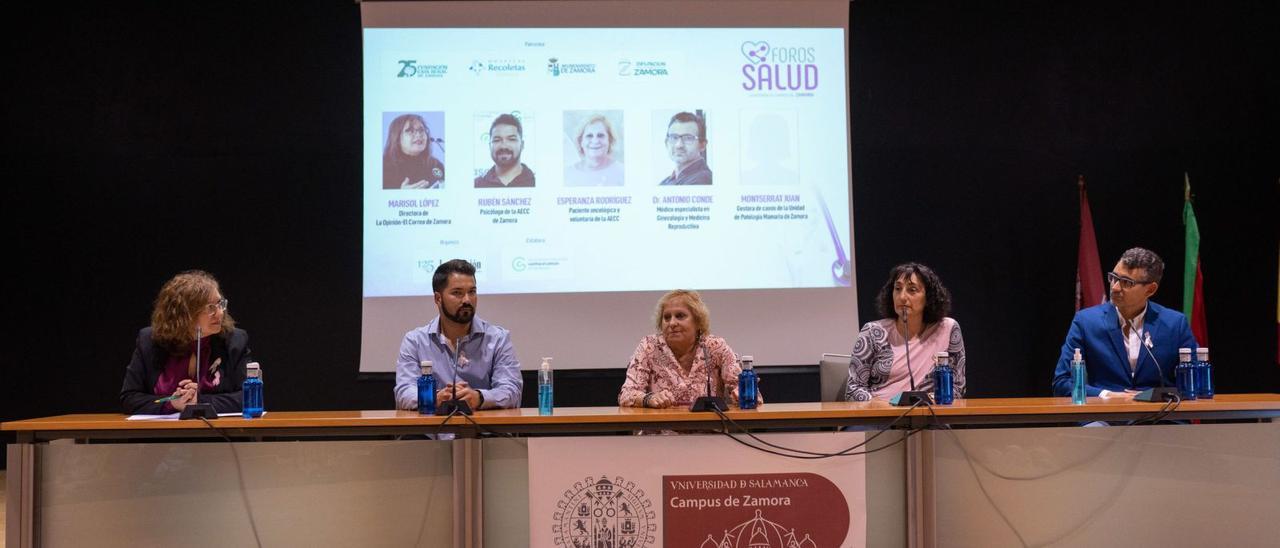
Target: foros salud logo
770, 68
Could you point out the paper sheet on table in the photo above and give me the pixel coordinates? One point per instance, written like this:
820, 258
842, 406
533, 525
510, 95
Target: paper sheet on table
174, 416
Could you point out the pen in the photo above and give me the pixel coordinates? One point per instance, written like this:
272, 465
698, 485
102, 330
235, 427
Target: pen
162, 400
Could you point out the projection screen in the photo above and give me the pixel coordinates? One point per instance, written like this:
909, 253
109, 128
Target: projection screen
655, 145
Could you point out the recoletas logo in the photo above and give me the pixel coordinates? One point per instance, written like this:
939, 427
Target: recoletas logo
497, 66
772, 68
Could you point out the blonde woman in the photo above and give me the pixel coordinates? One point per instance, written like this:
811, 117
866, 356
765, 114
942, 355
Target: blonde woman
670, 367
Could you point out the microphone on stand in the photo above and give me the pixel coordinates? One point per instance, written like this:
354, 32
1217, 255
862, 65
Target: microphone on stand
708, 402
910, 397
1161, 393
197, 410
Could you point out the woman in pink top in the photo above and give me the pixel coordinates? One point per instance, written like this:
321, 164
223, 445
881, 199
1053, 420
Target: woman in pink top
914, 306
670, 368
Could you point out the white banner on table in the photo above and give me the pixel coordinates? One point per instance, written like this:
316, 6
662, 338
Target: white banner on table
698, 491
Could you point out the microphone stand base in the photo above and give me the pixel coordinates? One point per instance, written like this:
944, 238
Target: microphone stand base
709, 403
450, 407
196, 411
1159, 394
910, 397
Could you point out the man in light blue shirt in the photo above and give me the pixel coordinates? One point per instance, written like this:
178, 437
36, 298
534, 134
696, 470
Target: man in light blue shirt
467, 353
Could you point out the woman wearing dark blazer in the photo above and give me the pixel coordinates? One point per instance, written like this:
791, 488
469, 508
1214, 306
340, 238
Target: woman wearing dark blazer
189, 310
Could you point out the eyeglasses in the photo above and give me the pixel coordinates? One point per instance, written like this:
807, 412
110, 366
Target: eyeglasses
213, 308
1124, 281
686, 138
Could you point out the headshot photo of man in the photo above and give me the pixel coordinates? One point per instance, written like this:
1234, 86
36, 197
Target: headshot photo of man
686, 141
506, 143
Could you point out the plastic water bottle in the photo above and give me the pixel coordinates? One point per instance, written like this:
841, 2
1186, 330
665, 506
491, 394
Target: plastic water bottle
944, 390
426, 389
747, 383
1203, 374
1079, 379
251, 395
1185, 375
546, 399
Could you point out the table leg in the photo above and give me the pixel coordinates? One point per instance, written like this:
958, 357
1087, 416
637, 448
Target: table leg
20, 490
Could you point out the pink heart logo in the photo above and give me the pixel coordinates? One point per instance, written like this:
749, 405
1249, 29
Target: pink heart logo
756, 52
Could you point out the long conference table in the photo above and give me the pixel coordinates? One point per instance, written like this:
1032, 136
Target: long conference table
990, 472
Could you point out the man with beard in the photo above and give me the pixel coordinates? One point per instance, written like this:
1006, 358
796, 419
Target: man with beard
506, 142
1112, 336
467, 353
687, 145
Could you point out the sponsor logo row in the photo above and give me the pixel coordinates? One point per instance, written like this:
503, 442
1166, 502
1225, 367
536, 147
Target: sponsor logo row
554, 66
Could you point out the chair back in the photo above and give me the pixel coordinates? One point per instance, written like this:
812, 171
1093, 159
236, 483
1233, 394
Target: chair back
833, 376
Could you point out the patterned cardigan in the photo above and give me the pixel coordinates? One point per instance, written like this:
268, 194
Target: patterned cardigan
872, 357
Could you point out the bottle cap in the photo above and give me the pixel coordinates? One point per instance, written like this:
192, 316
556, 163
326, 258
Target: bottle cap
546, 363
747, 362
1077, 357
1202, 352
425, 365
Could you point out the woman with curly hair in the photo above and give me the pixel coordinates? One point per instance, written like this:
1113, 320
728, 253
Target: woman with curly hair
161, 378
914, 305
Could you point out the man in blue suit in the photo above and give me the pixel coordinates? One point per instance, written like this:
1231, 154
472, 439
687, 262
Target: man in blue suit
1119, 339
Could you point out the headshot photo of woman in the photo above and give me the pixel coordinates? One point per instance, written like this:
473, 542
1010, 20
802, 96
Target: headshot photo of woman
161, 378
599, 158
913, 306
407, 158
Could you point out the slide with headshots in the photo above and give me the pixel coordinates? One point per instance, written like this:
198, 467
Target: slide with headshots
599, 160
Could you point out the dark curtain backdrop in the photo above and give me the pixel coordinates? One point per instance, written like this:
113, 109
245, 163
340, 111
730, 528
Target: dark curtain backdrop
147, 138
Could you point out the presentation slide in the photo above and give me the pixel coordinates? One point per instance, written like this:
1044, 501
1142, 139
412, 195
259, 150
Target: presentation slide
602, 161
626, 144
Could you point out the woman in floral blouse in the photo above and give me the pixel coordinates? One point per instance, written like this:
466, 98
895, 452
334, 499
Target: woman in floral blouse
669, 368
